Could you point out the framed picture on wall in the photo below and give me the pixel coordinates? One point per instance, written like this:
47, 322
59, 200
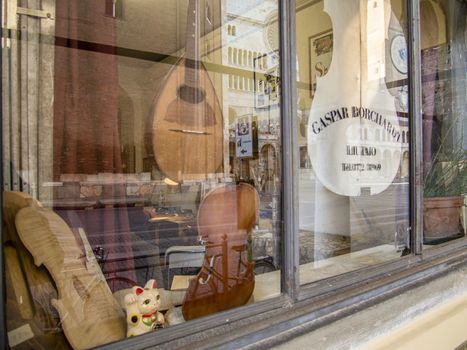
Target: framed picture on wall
320, 48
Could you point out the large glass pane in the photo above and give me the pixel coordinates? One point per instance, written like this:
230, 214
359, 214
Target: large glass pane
444, 92
353, 135
141, 148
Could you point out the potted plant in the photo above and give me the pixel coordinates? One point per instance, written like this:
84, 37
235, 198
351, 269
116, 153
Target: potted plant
445, 184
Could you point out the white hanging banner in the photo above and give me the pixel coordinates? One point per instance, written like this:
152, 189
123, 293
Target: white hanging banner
354, 138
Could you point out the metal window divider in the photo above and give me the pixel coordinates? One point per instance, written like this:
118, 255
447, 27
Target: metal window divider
3, 336
415, 127
288, 83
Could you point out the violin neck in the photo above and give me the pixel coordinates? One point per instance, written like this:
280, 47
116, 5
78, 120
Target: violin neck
192, 44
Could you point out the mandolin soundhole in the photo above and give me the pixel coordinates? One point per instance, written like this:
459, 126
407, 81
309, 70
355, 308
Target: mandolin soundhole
191, 94
188, 116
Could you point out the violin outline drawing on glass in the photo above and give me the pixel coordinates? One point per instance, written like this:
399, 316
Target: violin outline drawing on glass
353, 122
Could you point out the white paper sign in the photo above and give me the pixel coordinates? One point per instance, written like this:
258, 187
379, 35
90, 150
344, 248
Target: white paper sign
244, 137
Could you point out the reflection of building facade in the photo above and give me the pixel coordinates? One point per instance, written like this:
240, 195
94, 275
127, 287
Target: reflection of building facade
247, 89
251, 91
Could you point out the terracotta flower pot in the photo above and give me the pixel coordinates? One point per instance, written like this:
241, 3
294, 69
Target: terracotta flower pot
441, 217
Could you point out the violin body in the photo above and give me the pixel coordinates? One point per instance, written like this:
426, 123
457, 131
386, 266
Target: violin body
353, 128
89, 314
188, 125
28, 288
226, 280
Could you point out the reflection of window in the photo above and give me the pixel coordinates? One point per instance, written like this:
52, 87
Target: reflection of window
231, 30
208, 13
113, 8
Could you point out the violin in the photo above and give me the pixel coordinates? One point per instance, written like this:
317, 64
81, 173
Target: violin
28, 288
187, 118
354, 137
226, 279
89, 314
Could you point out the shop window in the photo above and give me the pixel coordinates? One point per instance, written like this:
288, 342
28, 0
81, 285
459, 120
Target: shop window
350, 198
131, 184
141, 171
444, 106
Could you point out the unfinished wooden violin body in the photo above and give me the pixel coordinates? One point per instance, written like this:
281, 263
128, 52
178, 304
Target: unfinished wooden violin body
89, 314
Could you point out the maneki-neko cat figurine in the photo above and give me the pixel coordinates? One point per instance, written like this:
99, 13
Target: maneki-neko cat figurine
142, 309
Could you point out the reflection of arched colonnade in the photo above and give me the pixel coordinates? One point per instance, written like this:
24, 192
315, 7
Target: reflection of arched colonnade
268, 167
405, 165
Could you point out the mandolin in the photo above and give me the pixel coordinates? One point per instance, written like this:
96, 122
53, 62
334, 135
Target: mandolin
226, 279
187, 118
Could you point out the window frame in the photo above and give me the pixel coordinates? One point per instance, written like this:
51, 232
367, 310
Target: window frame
307, 307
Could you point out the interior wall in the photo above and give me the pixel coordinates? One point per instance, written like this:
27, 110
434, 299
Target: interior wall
311, 20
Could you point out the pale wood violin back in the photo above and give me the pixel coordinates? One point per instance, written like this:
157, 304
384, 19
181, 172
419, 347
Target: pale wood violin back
29, 289
89, 314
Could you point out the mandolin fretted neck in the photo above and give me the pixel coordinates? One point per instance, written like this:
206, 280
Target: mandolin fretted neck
192, 45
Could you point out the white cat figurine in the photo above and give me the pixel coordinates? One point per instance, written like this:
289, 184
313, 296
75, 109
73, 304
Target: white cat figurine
142, 307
